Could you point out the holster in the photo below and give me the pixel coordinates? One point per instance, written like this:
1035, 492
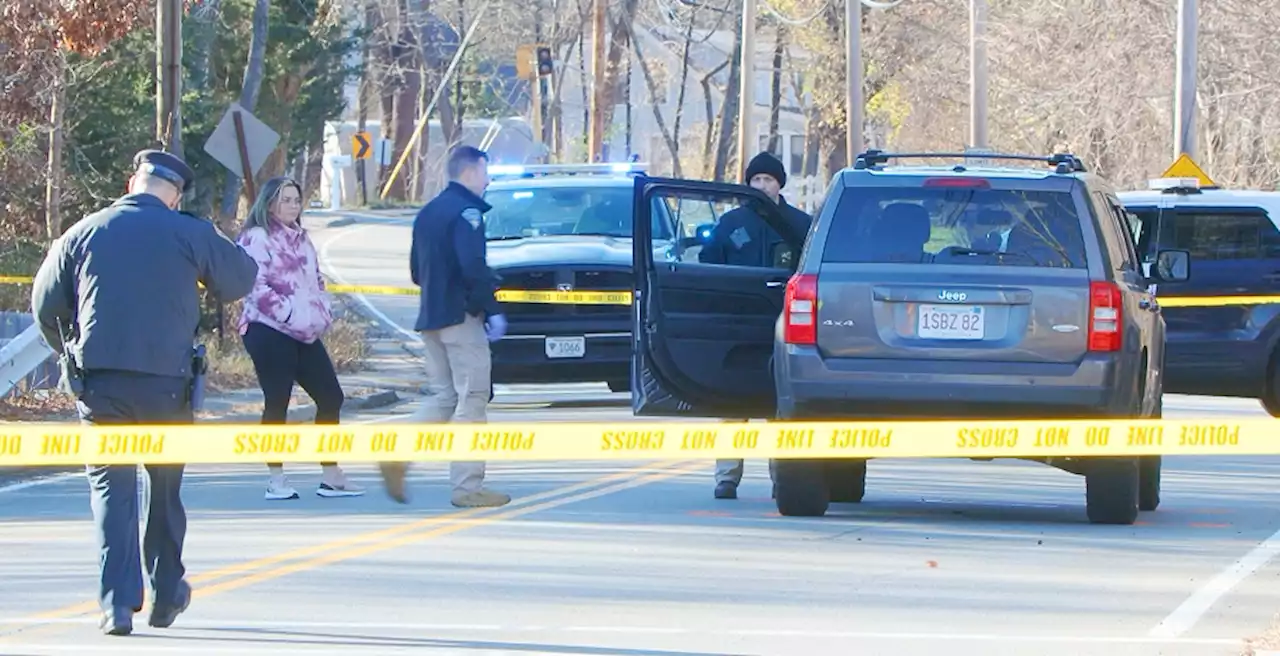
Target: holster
71, 375
199, 372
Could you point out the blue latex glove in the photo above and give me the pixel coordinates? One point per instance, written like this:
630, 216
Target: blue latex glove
495, 327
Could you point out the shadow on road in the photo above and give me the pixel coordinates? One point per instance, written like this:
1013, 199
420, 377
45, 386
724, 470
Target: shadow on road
279, 637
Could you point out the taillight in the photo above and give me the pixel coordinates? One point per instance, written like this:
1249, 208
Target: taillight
800, 310
1104, 317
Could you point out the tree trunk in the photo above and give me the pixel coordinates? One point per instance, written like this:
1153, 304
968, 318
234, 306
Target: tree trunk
775, 96
405, 109
729, 109
362, 99
205, 17
712, 120
287, 90
657, 108
53, 180
253, 72
388, 80
684, 84
615, 71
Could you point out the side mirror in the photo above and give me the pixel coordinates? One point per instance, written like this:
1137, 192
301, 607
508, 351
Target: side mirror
1172, 266
703, 232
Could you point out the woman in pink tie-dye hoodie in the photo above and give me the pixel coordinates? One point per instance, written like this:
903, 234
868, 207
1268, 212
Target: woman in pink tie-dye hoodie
282, 321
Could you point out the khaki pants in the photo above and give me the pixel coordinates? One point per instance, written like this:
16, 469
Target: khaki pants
457, 365
730, 470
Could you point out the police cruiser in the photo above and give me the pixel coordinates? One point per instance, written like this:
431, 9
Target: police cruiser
559, 240
1223, 321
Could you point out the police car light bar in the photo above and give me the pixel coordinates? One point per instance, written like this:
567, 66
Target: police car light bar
1174, 184
530, 170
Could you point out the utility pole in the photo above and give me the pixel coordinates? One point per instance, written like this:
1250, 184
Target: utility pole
977, 73
169, 75
595, 145
1184, 128
747, 88
362, 103
538, 90
855, 139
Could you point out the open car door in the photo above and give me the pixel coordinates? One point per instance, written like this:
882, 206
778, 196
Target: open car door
704, 330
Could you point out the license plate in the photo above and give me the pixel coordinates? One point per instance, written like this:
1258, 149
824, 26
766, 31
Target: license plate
950, 322
566, 347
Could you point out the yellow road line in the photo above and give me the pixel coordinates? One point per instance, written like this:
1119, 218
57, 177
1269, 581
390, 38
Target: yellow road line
453, 527
390, 537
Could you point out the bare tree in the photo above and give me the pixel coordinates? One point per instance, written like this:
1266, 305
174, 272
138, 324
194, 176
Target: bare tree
252, 84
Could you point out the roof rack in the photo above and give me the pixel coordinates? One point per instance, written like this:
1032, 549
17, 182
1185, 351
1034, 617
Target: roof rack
532, 170
1062, 162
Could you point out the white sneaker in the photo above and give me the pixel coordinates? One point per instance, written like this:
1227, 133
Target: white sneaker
337, 485
278, 489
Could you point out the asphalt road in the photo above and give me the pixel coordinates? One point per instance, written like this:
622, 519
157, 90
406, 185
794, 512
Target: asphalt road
638, 559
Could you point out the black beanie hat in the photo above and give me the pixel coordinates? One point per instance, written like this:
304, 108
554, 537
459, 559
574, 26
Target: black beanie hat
767, 164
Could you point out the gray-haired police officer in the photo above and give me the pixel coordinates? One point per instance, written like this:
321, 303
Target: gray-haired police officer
116, 298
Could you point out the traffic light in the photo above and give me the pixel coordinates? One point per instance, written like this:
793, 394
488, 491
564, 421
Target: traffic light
544, 62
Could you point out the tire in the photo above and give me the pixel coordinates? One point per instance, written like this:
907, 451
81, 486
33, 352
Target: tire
846, 480
1112, 491
1271, 391
1149, 472
800, 488
619, 386
1149, 483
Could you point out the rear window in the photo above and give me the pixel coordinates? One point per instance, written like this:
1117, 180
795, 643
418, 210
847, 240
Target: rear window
547, 211
951, 225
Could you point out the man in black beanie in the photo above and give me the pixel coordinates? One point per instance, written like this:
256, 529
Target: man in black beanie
742, 238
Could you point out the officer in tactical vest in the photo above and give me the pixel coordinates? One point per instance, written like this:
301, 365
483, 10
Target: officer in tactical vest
116, 298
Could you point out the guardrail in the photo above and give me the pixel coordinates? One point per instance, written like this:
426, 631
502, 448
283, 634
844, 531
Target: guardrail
21, 356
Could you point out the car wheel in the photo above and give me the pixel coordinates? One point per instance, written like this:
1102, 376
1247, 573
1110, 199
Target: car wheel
1271, 392
800, 488
1149, 483
846, 480
1149, 471
618, 386
1112, 491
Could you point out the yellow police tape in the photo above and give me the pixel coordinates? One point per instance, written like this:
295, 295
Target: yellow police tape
56, 444
505, 295
624, 297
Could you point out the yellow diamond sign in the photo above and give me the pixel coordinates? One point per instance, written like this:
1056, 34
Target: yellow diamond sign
1185, 167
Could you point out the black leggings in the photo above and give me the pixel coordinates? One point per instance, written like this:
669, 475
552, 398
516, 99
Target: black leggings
279, 361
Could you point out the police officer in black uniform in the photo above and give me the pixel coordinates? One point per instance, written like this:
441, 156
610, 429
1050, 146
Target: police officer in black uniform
742, 238
116, 298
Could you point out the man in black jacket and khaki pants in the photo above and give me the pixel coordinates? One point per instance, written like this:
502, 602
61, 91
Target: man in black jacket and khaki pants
742, 238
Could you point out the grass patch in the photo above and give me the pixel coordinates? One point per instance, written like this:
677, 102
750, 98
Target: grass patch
231, 368
38, 405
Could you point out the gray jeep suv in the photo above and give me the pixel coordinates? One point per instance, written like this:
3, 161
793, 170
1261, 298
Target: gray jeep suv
933, 292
